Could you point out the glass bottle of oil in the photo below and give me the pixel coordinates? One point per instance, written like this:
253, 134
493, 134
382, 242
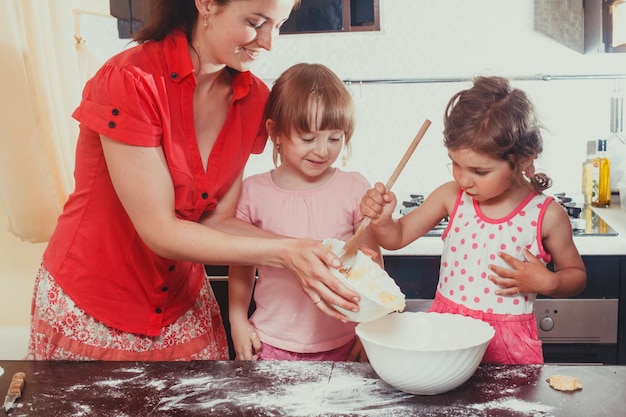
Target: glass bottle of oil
601, 177
587, 183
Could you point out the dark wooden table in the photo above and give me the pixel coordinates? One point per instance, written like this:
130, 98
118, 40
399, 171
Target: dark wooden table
294, 389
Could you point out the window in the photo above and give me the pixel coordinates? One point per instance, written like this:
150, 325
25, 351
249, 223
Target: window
333, 16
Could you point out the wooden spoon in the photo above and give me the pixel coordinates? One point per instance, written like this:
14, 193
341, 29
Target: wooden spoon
352, 245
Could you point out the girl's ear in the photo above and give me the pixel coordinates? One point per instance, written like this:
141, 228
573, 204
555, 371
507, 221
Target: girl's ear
270, 126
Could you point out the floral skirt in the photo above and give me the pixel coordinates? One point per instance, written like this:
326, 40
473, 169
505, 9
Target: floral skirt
60, 330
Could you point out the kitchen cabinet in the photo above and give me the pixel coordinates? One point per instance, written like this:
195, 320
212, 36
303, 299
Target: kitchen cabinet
130, 15
586, 26
417, 276
621, 334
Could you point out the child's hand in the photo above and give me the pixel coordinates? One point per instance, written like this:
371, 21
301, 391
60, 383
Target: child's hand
377, 202
527, 277
246, 342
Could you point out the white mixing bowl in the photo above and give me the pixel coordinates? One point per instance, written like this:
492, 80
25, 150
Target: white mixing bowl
425, 353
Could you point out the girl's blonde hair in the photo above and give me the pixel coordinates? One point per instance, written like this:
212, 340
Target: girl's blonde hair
497, 120
302, 91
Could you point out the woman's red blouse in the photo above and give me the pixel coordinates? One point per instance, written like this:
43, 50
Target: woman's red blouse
144, 97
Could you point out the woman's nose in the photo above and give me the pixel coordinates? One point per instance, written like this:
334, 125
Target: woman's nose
265, 38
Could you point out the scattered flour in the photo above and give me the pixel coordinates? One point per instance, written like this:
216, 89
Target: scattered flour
111, 382
514, 404
1, 370
284, 396
159, 385
301, 389
81, 410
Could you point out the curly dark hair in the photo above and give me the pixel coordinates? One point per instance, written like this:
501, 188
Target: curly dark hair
497, 120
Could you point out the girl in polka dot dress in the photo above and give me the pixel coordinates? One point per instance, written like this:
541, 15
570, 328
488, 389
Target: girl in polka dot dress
502, 231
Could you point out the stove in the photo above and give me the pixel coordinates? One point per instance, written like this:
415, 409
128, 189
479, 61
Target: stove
415, 201
584, 221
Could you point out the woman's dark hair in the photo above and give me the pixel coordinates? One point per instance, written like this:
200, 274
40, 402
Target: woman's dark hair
497, 120
165, 16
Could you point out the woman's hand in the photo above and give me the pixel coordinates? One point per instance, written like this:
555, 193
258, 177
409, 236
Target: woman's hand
246, 341
309, 261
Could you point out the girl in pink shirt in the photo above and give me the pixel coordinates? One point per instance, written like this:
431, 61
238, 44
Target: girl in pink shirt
309, 118
502, 230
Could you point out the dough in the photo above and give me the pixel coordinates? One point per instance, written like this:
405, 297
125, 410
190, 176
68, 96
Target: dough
564, 383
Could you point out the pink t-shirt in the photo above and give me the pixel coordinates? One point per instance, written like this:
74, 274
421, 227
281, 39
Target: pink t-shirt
285, 317
472, 242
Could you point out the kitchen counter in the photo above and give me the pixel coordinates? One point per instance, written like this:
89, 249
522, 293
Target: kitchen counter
235, 388
615, 216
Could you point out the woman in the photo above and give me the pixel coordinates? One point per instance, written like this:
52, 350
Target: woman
166, 129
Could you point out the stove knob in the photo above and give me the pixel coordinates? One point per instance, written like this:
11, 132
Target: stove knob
546, 324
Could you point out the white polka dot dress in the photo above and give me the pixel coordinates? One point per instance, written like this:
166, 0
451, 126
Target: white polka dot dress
472, 242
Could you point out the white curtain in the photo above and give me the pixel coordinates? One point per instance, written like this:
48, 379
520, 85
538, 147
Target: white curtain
42, 75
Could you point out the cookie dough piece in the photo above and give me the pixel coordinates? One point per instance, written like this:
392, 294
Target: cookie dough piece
564, 383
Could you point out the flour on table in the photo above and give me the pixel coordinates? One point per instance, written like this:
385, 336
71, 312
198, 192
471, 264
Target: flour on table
81, 410
1, 370
117, 384
300, 390
514, 404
